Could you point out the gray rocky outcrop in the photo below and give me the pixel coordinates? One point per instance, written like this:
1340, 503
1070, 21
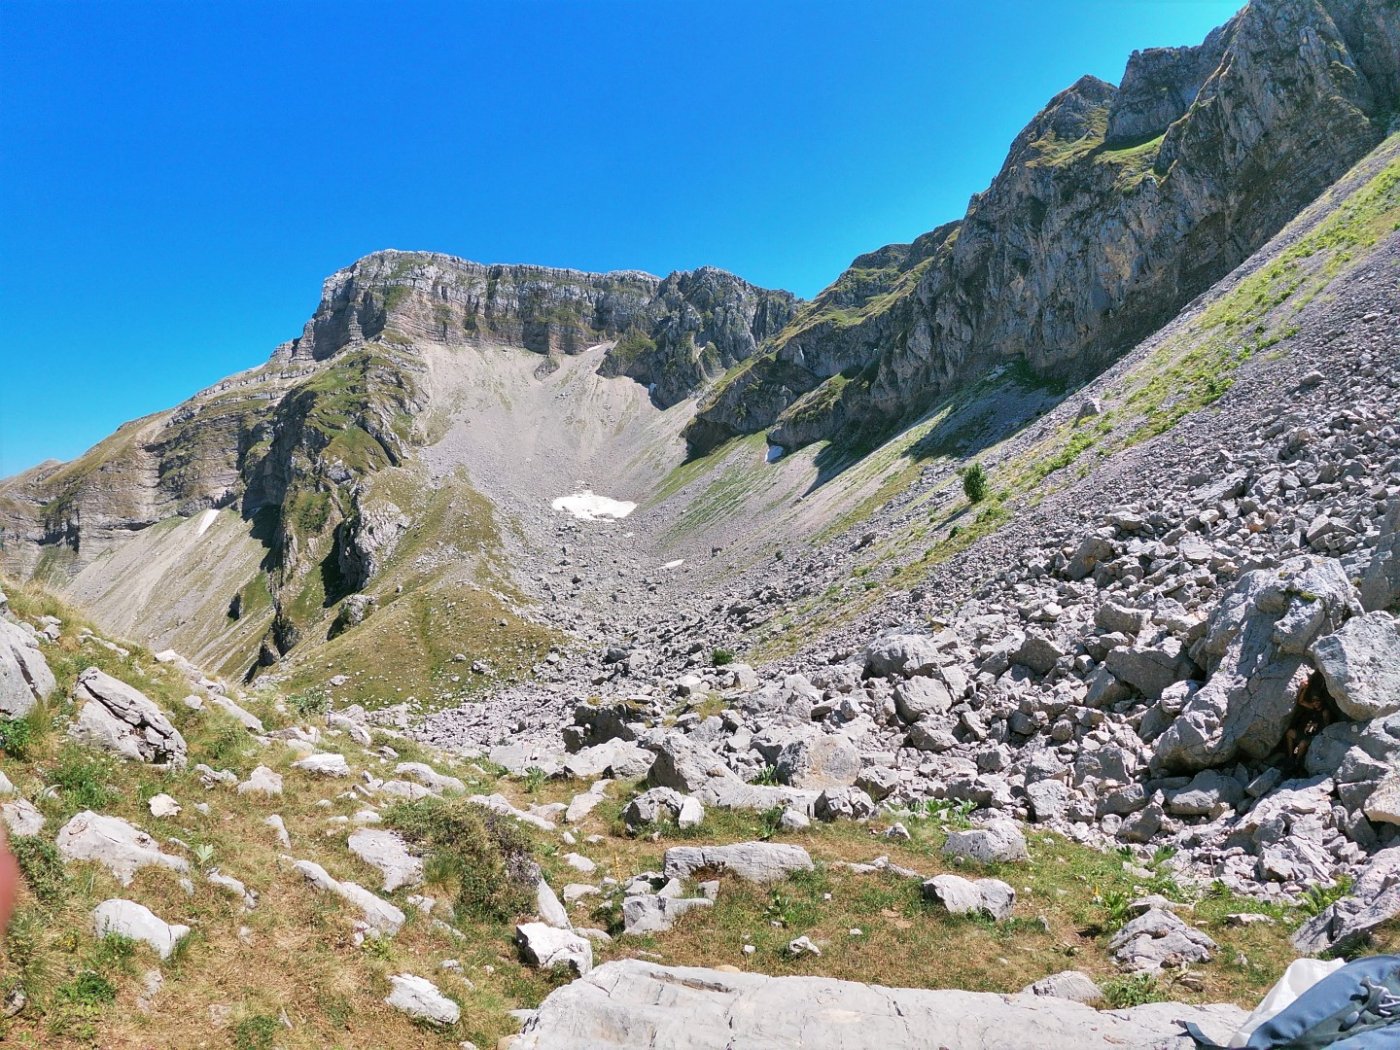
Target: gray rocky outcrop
1255, 651
25, 677
115, 717
1361, 664
762, 862
387, 851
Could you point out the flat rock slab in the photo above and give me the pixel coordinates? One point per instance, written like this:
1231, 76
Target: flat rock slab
262, 781
388, 852
22, 818
762, 862
632, 1003
420, 998
129, 919
378, 913
429, 777
500, 804
324, 764
118, 846
246, 719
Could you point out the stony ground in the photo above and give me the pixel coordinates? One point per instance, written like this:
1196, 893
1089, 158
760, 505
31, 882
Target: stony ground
270, 875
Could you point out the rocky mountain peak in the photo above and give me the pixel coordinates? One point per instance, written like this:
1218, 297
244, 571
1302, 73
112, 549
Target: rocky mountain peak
1113, 209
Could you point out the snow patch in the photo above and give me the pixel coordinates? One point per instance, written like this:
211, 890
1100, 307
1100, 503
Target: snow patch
775, 453
588, 507
205, 520
674, 564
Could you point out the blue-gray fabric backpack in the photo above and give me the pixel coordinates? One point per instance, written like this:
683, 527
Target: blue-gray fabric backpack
1356, 1008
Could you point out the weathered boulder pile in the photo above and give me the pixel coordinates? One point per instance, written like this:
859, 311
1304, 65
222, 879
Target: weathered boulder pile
1205, 662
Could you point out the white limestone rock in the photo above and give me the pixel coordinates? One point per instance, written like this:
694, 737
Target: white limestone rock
549, 948
118, 846
387, 851
421, 1000
129, 919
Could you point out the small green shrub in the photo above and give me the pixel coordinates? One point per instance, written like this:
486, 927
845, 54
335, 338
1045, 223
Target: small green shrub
1123, 993
89, 988
304, 705
1317, 899
255, 1033
82, 778
721, 657
16, 737
767, 776
114, 952
486, 856
974, 481
41, 867
225, 743
534, 779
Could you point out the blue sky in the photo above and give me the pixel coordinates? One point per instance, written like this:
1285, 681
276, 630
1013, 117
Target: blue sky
178, 177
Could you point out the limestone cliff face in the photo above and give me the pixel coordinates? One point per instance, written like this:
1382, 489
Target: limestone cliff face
1114, 208
439, 298
675, 334
698, 325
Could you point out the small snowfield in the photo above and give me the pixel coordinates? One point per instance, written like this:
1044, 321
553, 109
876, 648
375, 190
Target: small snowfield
588, 507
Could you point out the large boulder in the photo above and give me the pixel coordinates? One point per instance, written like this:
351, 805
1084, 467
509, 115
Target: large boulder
1361, 664
816, 760
115, 717
902, 656
631, 1003
922, 697
999, 842
1380, 587
139, 923
763, 862
25, 677
549, 948
1255, 652
118, 846
1149, 669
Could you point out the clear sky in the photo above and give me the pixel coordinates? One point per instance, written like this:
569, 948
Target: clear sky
177, 178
